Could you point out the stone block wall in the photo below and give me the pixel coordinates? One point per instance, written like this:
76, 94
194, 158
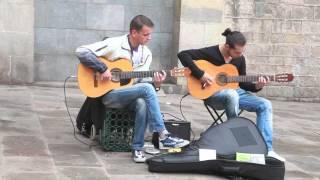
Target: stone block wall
16, 41
38, 37
63, 25
283, 36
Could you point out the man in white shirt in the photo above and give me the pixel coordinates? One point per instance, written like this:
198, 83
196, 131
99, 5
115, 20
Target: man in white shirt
141, 97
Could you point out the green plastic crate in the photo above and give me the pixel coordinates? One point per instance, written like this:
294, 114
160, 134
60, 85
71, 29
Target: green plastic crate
117, 131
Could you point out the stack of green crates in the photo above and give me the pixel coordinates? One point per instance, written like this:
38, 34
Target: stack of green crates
117, 131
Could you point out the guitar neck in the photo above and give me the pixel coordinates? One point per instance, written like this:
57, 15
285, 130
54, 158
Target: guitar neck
137, 74
251, 78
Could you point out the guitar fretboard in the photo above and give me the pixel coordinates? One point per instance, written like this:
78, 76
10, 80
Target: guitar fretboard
137, 74
252, 78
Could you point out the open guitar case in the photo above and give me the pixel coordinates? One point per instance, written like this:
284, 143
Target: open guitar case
235, 135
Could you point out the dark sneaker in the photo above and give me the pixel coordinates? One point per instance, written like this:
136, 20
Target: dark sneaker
138, 156
172, 142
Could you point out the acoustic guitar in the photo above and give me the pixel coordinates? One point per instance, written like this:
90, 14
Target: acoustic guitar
225, 77
91, 85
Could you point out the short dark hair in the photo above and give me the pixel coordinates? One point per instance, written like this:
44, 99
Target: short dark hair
234, 38
139, 21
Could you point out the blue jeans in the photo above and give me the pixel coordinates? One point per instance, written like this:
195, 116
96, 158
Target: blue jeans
233, 100
142, 99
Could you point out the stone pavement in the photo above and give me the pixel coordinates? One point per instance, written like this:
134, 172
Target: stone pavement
37, 143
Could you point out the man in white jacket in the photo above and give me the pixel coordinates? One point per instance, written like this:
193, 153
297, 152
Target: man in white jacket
141, 97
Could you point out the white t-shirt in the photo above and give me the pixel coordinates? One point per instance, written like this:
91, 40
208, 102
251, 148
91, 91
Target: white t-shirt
137, 56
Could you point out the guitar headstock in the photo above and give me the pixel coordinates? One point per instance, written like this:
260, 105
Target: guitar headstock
178, 72
285, 77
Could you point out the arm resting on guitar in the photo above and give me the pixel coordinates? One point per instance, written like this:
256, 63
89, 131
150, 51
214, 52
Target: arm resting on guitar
90, 60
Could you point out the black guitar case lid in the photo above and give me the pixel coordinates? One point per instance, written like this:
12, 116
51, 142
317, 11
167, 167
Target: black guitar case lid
234, 135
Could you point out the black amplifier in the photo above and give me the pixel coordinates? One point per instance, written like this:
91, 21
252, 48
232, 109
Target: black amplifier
178, 128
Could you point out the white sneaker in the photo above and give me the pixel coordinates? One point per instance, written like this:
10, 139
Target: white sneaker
138, 156
150, 149
275, 155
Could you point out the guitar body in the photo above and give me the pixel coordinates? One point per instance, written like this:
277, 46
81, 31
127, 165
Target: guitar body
218, 73
90, 83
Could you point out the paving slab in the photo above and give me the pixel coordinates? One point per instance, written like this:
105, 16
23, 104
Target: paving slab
37, 137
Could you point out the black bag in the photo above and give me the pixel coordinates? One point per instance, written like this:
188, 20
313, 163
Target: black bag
235, 135
90, 117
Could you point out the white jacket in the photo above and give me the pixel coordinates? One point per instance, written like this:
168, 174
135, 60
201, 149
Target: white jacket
118, 47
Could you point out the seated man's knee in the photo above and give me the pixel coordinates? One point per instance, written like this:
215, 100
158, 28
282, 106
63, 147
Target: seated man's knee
231, 95
265, 105
223, 99
148, 88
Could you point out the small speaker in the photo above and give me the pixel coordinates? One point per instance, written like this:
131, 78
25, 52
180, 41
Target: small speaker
178, 128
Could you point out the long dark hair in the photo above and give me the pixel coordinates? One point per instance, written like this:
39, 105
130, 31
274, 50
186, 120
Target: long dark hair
234, 38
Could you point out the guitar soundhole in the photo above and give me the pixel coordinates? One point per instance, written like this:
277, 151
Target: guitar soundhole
116, 75
116, 72
221, 79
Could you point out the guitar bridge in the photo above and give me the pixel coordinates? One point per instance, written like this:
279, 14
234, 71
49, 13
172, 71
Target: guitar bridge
95, 79
124, 82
